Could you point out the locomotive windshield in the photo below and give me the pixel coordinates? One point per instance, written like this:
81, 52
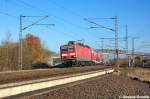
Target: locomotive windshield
67, 48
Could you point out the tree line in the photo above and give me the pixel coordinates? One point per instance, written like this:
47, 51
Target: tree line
34, 54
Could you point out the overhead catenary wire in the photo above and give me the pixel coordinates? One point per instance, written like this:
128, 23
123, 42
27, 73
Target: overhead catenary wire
56, 17
20, 51
66, 9
45, 12
71, 12
9, 15
15, 17
100, 26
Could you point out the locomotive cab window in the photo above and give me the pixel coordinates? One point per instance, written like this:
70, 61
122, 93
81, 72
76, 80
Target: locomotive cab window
67, 48
64, 48
71, 48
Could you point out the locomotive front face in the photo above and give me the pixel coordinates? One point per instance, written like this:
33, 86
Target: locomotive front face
68, 53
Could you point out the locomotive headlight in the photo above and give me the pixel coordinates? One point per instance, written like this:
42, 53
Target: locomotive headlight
64, 55
72, 54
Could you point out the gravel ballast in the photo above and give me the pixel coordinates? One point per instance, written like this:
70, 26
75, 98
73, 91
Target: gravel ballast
108, 87
26, 75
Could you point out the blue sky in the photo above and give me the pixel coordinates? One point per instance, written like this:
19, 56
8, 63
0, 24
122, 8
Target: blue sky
68, 15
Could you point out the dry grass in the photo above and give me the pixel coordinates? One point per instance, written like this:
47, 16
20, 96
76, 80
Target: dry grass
142, 74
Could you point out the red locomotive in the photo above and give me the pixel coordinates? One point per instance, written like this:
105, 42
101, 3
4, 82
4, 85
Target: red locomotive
79, 54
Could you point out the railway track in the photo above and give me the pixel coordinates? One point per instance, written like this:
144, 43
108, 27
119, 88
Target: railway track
26, 75
7, 90
42, 94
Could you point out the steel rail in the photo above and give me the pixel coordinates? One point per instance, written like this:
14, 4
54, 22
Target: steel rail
8, 90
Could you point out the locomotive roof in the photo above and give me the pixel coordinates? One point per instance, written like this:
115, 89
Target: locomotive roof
81, 44
78, 44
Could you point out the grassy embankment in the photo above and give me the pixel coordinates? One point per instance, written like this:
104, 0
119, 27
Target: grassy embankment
142, 74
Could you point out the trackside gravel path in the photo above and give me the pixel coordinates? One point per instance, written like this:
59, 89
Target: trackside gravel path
108, 87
